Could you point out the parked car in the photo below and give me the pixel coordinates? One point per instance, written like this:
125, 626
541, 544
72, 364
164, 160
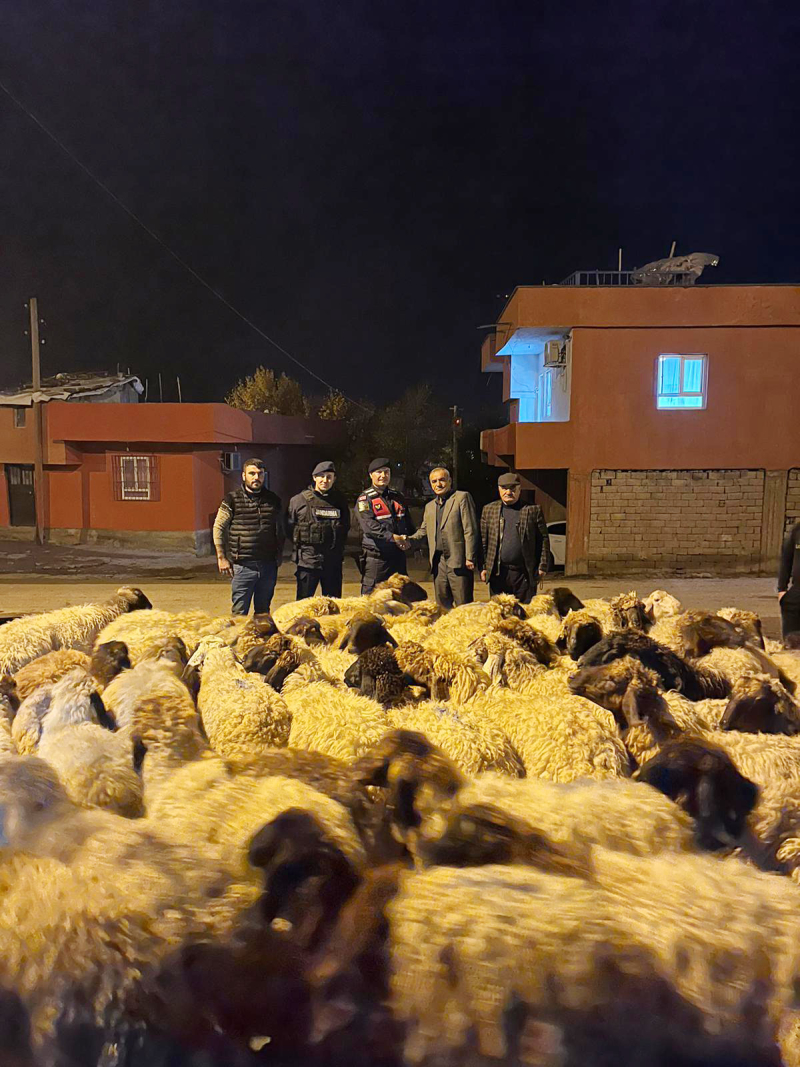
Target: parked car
557, 532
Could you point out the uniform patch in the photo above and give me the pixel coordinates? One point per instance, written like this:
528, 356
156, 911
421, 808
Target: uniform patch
363, 505
327, 513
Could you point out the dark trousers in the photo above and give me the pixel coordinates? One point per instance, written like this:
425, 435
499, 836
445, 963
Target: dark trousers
253, 580
513, 580
790, 611
329, 576
451, 585
376, 569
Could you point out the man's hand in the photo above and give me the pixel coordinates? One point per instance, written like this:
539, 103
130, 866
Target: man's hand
483, 576
470, 565
401, 541
224, 567
543, 572
781, 595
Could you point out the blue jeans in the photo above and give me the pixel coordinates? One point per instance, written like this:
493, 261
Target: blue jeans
253, 580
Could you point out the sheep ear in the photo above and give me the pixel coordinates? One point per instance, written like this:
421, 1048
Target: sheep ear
104, 718
630, 707
390, 640
345, 641
704, 797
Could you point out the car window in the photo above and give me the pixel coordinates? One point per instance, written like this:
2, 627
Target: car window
557, 528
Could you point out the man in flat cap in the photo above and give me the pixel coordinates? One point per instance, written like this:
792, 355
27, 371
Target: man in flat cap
385, 526
516, 546
450, 524
317, 522
248, 537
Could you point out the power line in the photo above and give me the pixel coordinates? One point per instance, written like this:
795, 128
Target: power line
140, 222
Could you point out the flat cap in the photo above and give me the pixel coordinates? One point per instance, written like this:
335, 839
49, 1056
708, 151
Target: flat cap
325, 467
376, 464
508, 480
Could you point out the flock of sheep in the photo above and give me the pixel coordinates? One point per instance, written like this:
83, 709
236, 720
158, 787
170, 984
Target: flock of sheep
366, 831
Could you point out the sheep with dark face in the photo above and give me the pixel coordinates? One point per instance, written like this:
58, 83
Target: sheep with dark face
760, 704
377, 674
307, 628
565, 600
528, 638
580, 631
629, 690
110, 659
365, 630
254, 632
748, 622
171, 652
696, 682
478, 834
694, 633
703, 780
628, 613
402, 588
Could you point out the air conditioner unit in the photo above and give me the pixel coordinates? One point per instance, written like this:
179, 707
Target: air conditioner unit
555, 353
231, 461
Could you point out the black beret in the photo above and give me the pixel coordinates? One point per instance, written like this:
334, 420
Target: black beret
325, 467
377, 464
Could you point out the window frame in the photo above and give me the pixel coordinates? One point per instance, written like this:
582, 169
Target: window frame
20, 417
138, 491
702, 393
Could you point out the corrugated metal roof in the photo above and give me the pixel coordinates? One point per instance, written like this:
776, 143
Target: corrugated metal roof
67, 386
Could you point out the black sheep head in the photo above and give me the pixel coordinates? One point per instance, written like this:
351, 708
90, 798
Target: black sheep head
757, 710
133, 599
565, 600
109, 660
307, 628
702, 780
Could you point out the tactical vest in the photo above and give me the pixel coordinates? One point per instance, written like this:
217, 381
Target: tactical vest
253, 532
321, 526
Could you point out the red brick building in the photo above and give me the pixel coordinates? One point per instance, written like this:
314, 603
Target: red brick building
147, 473
663, 422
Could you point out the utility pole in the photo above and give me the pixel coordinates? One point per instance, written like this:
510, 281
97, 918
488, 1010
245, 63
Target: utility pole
160, 390
180, 398
456, 428
38, 444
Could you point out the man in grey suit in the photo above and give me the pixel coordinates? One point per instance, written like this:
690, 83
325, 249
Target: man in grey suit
450, 524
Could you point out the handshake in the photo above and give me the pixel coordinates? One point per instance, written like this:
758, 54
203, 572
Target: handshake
402, 542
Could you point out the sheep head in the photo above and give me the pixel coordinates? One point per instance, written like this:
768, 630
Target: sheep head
108, 660
131, 599
748, 622
564, 600
307, 877
170, 651
760, 705
377, 674
508, 606
628, 612
579, 632
402, 588
365, 630
528, 638
702, 780
31, 794
661, 604
308, 628
480, 834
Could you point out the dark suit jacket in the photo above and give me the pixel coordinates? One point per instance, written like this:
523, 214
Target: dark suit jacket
532, 534
459, 529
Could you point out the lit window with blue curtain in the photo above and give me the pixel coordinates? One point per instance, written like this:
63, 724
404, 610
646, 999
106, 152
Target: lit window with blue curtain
681, 382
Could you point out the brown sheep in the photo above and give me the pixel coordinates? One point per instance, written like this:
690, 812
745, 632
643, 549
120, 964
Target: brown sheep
307, 628
580, 631
702, 779
254, 632
628, 613
403, 588
695, 633
528, 638
365, 630
377, 674
629, 691
747, 621
50, 667
108, 660
759, 704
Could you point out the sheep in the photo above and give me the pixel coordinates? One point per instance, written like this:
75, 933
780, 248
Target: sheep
695, 681
456, 630
338, 722
22, 640
732, 663
365, 630
529, 638
580, 630
694, 633
255, 631
445, 675
701, 778
559, 601
156, 676
628, 613
660, 605
48, 668
307, 628
559, 738
473, 744
239, 711
619, 815
760, 704
747, 621
376, 673
141, 632
107, 661
628, 689
314, 606
631, 967
71, 699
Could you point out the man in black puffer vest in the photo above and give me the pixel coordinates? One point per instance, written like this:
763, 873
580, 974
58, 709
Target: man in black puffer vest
248, 537
317, 522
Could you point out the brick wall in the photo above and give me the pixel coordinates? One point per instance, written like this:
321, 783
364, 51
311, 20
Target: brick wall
793, 499
676, 521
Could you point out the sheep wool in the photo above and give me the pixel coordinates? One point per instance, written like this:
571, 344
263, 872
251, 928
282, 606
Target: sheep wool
144, 632
240, 713
95, 767
559, 739
622, 815
49, 668
314, 606
472, 742
22, 640
338, 722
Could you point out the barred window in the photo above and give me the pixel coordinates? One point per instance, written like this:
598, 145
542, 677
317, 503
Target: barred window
19, 418
135, 477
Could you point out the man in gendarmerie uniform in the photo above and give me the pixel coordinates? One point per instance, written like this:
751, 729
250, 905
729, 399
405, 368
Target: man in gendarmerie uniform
385, 524
317, 523
248, 537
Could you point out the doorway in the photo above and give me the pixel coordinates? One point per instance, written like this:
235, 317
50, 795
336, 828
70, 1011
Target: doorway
21, 499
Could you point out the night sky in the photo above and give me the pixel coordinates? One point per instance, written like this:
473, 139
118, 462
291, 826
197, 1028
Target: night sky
365, 179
